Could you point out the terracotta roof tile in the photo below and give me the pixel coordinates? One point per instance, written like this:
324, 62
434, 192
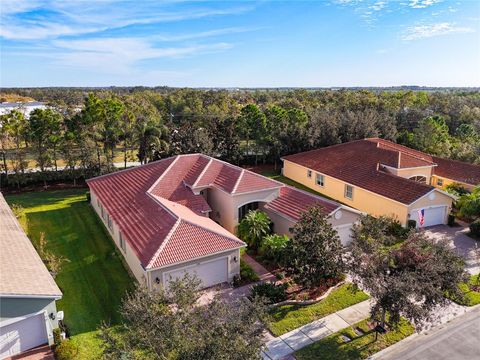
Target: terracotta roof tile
358, 163
458, 171
293, 202
250, 181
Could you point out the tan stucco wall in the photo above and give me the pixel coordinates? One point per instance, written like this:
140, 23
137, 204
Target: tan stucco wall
129, 255
439, 200
408, 173
225, 206
363, 200
447, 181
233, 267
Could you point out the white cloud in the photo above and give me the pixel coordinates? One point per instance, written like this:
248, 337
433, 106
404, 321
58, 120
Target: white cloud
427, 31
379, 5
420, 4
64, 18
120, 55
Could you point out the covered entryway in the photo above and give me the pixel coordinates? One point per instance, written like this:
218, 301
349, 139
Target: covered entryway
210, 272
22, 335
432, 216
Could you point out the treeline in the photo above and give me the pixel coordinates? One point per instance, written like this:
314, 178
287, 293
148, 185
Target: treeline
86, 131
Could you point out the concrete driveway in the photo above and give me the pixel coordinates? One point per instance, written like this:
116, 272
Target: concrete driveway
464, 245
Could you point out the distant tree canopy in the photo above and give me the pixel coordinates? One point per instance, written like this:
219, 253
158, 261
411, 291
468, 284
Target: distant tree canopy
93, 128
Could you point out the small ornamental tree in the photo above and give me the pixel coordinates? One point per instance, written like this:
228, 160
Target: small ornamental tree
254, 227
314, 251
410, 279
173, 325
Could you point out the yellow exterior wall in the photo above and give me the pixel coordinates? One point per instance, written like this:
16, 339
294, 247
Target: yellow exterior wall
447, 182
408, 173
363, 200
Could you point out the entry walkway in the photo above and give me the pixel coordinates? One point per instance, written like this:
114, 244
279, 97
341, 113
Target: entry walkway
285, 345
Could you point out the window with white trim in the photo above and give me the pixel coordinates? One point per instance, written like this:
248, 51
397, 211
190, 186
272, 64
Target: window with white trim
122, 241
348, 191
320, 180
440, 182
309, 173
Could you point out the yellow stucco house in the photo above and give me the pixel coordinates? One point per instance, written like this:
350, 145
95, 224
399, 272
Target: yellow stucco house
380, 177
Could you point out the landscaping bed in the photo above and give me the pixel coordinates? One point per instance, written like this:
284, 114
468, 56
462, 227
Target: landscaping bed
92, 278
285, 318
471, 291
360, 345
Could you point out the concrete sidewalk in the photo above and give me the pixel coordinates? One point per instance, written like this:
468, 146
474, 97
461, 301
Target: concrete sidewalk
285, 345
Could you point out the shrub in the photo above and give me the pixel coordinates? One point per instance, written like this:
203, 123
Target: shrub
89, 197
57, 337
254, 227
475, 228
67, 350
246, 273
451, 219
273, 247
271, 292
412, 224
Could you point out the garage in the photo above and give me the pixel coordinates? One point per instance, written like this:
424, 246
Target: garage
432, 216
209, 272
22, 335
344, 233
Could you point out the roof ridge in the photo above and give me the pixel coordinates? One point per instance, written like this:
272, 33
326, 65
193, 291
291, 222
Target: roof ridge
203, 171
163, 174
238, 181
130, 169
232, 237
164, 242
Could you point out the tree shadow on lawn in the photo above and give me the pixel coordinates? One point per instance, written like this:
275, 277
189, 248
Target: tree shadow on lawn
47, 198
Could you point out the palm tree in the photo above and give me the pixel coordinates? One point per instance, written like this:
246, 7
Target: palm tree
254, 227
151, 138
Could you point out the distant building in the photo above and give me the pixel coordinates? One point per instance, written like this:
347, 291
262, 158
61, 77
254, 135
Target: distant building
25, 107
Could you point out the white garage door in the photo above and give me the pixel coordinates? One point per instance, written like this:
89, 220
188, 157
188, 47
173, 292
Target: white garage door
210, 272
345, 234
432, 216
22, 335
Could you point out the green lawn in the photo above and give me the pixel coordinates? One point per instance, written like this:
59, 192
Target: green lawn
334, 347
93, 280
471, 297
285, 318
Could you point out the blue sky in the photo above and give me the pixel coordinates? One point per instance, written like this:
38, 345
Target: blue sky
240, 44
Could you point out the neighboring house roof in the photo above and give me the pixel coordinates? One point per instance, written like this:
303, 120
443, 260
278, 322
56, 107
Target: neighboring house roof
458, 171
22, 272
161, 216
293, 202
360, 163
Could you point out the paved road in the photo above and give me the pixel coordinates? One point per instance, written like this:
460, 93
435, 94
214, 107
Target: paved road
457, 340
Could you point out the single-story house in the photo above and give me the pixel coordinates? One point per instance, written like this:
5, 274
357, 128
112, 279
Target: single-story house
380, 177
180, 215
28, 313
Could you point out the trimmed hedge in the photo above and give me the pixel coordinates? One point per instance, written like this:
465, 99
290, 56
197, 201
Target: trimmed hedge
475, 228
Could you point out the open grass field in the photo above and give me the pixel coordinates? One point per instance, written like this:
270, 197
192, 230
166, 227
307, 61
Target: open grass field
93, 278
361, 346
285, 318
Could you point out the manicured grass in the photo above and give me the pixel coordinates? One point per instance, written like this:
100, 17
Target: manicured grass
93, 278
471, 297
285, 318
334, 347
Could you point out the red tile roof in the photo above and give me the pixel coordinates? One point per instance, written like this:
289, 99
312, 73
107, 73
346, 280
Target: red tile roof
293, 202
160, 215
458, 171
358, 163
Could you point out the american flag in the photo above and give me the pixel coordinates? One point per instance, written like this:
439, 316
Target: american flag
421, 216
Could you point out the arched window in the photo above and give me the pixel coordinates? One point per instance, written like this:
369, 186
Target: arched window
420, 179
